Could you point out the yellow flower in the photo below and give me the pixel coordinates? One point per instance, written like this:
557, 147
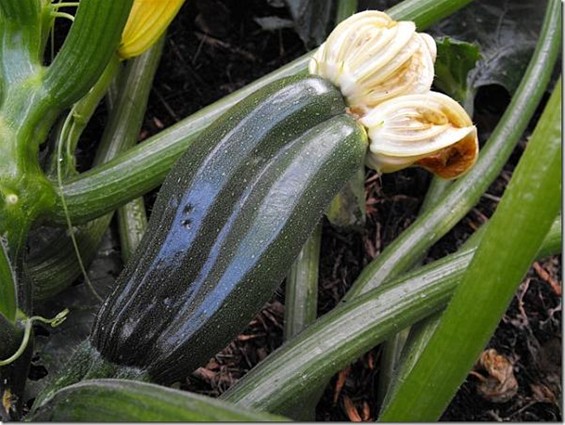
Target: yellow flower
372, 58
430, 130
147, 21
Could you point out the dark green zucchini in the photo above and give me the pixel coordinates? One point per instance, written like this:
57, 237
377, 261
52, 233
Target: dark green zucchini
229, 219
174, 309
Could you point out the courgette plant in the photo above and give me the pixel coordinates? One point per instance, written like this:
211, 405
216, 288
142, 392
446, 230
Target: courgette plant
243, 185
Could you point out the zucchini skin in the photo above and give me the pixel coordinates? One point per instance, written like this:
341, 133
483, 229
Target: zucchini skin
227, 224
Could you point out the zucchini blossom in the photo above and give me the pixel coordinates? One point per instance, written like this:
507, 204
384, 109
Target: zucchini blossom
147, 21
373, 58
430, 130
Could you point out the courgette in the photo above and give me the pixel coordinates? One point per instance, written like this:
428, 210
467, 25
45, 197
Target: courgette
229, 219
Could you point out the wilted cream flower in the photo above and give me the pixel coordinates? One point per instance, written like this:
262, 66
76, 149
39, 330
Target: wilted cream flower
372, 58
430, 130
147, 21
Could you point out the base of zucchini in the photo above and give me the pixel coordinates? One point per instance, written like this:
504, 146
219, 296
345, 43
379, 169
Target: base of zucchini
87, 363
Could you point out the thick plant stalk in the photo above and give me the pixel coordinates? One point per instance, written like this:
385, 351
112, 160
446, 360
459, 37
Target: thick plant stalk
345, 8
143, 168
56, 268
80, 115
59, 267
92, 41
301, 305
419, 335
132, 223
301, 296
8, 303
425, 12
503, 256
345, 333
119, 400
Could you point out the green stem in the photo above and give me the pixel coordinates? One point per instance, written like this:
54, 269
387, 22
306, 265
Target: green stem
20, 51
409, 247
24, 12
130, 401
345, 8
8, 302
425, 12
132, 224
56, 269
77, 120
341, 336
511, 241
301, 297
144, 167
420, 334
92, 41
392, 354
128, 109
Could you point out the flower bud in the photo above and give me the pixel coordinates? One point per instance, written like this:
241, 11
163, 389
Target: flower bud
372, 58
147, 21
429, 130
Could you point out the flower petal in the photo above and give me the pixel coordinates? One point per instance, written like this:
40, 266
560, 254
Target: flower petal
147, 21
372, 58
429, 130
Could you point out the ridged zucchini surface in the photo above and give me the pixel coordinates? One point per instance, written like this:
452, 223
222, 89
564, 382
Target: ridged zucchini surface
228, 222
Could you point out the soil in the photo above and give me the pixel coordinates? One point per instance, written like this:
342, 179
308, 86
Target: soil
215, 47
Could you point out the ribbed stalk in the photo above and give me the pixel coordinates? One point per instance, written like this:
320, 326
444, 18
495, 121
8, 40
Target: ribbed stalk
58, 268
8, 303
345, 8
79, 116
301, 296
93, 39
132, 224
118, 400
25, 12
425, 12
503, 256
336, 339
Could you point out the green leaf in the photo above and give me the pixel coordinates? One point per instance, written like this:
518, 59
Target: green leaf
311, 19
455, 59
117, 400
506, 33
